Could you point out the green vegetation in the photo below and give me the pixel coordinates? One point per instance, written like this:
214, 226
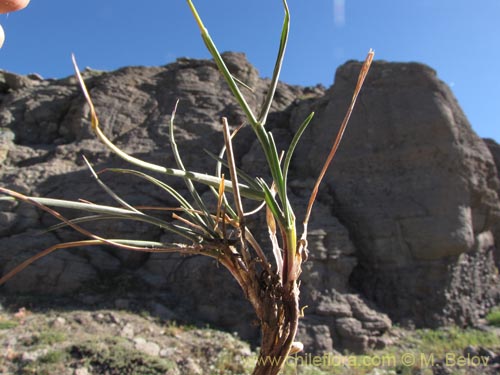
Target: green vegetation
452, 340
424, 346
187, 349
54, 362
493, 317
49, 337
8, 324
55, 356
113, 357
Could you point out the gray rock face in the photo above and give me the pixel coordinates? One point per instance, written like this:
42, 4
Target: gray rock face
495, 152
417, 190
407, 216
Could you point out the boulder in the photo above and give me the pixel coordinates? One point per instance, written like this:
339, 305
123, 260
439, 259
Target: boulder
416, 189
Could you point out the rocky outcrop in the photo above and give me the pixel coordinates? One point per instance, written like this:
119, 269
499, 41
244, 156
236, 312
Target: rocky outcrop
417, 190
405, 222
495, 152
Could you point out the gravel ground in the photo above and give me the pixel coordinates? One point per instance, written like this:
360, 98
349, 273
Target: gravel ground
80, 341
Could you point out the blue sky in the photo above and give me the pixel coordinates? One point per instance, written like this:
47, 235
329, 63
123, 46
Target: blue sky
458, 38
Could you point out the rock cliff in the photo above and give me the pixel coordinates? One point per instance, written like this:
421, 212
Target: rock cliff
406, 223
417, 190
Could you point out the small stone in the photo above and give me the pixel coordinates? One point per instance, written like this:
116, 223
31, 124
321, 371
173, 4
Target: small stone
470, 351
81, 371
99, 317
113, 317
486, 353
378, 371
379, 343
139, 340
127, 331
191, 367
147, 347
168, 353
35, 76
82, 319
29, 357
11, 341
59, 322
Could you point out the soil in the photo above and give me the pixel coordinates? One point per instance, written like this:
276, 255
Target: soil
103, 341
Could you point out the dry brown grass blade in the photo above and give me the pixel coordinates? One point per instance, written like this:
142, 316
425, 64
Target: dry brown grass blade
220, 200
336, 143
187, 222
226, 219
271, 227
232, 170
73, 244
236, 190
253, 242
93, 115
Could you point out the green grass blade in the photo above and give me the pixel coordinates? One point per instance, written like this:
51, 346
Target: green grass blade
92, 218
293, 144
278, 178
208, 222
184, 204
241, 174
257, 125
45, 203
233, 86
83, 219
119, 212
241, 83
108, 190
272, 204
266, 107
170, 190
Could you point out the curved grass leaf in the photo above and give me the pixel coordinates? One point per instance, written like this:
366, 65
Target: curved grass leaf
272, 204
44, 203
133, 245
249, 180
108, 190
266, 107
293, 144
233, 86
208, 222
184, 204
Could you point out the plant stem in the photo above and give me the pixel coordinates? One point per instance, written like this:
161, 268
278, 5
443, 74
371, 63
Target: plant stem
279, 323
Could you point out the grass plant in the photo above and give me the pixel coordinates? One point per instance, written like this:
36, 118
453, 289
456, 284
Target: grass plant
271, 286
8, 324
493, 317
